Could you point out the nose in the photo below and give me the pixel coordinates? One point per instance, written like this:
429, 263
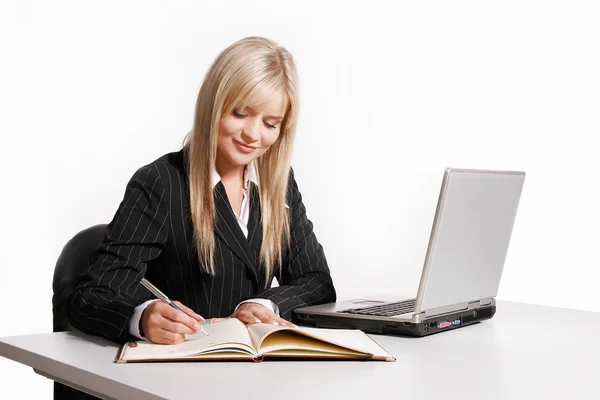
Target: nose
251, 131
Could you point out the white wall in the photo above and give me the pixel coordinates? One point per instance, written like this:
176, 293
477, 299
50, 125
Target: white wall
391, 94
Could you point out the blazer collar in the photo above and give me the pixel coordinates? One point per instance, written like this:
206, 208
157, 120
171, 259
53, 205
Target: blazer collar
250, 175
227, 227
254, 222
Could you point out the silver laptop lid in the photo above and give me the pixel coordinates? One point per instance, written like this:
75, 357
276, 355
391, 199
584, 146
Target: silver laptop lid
470, 236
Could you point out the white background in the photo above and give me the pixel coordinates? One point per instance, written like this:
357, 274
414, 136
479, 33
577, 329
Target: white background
391, 93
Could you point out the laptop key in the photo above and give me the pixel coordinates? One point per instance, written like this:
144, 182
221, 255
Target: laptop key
385, 310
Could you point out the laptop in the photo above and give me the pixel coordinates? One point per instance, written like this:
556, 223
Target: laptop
467, 248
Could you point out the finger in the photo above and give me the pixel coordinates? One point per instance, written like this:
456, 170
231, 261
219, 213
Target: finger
176, 327
171, 337
250, 319
287, 323
266, 317
217, 320
161, 336
189, 311
271, 318
281, 322
274, 319
178, 316
247, 317
158, 338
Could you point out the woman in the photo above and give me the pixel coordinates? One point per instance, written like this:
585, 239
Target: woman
212, 225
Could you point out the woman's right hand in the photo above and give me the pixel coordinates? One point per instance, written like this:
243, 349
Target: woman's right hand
164, 324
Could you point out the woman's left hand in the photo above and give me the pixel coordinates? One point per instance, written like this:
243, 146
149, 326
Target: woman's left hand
252, 313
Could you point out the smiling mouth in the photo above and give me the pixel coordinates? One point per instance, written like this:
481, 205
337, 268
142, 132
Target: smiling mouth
245, 146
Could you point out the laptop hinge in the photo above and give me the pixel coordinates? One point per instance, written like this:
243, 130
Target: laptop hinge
482, 302
434, 312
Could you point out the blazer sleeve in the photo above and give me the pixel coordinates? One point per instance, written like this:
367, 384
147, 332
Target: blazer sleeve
108, 292
305, 277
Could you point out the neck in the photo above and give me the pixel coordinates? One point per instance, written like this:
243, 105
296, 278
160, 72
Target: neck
230, 173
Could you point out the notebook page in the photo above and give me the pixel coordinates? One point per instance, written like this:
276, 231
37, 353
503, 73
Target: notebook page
228, 334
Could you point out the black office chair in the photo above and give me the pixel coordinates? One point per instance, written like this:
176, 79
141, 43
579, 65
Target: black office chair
73, 259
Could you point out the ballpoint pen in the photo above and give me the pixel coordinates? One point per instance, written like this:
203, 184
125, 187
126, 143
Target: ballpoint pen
163, 297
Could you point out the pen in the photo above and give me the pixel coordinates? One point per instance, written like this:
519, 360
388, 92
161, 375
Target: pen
163, 297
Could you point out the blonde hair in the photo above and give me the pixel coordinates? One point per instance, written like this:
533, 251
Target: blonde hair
249, 72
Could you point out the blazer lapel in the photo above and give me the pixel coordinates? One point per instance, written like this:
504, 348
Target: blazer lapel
254, 222
227, 227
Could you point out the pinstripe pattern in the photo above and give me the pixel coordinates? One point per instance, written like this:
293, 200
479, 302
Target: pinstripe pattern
151, 235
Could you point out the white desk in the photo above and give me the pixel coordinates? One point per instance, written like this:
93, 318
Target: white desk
524, 352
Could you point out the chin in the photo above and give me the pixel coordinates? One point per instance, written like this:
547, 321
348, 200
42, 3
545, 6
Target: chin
241, 159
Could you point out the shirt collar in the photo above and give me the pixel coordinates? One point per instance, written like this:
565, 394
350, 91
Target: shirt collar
250, 175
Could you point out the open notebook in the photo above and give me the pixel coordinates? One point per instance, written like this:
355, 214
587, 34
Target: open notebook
232, 340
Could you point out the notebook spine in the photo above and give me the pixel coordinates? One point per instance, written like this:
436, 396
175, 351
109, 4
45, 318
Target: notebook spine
121, 353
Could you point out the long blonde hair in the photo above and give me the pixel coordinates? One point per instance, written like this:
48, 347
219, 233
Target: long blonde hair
249, 72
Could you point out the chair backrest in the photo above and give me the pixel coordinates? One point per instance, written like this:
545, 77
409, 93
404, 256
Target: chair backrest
73, 260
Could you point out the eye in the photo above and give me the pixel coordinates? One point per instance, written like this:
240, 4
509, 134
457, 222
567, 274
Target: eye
270, 126
238, 115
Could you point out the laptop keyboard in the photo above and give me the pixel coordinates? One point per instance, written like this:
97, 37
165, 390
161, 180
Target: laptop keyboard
385, 310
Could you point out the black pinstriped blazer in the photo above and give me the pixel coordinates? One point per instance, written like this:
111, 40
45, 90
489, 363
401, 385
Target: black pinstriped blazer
151, 235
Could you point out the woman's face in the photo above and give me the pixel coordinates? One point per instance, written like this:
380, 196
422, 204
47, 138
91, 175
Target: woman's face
245, 135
